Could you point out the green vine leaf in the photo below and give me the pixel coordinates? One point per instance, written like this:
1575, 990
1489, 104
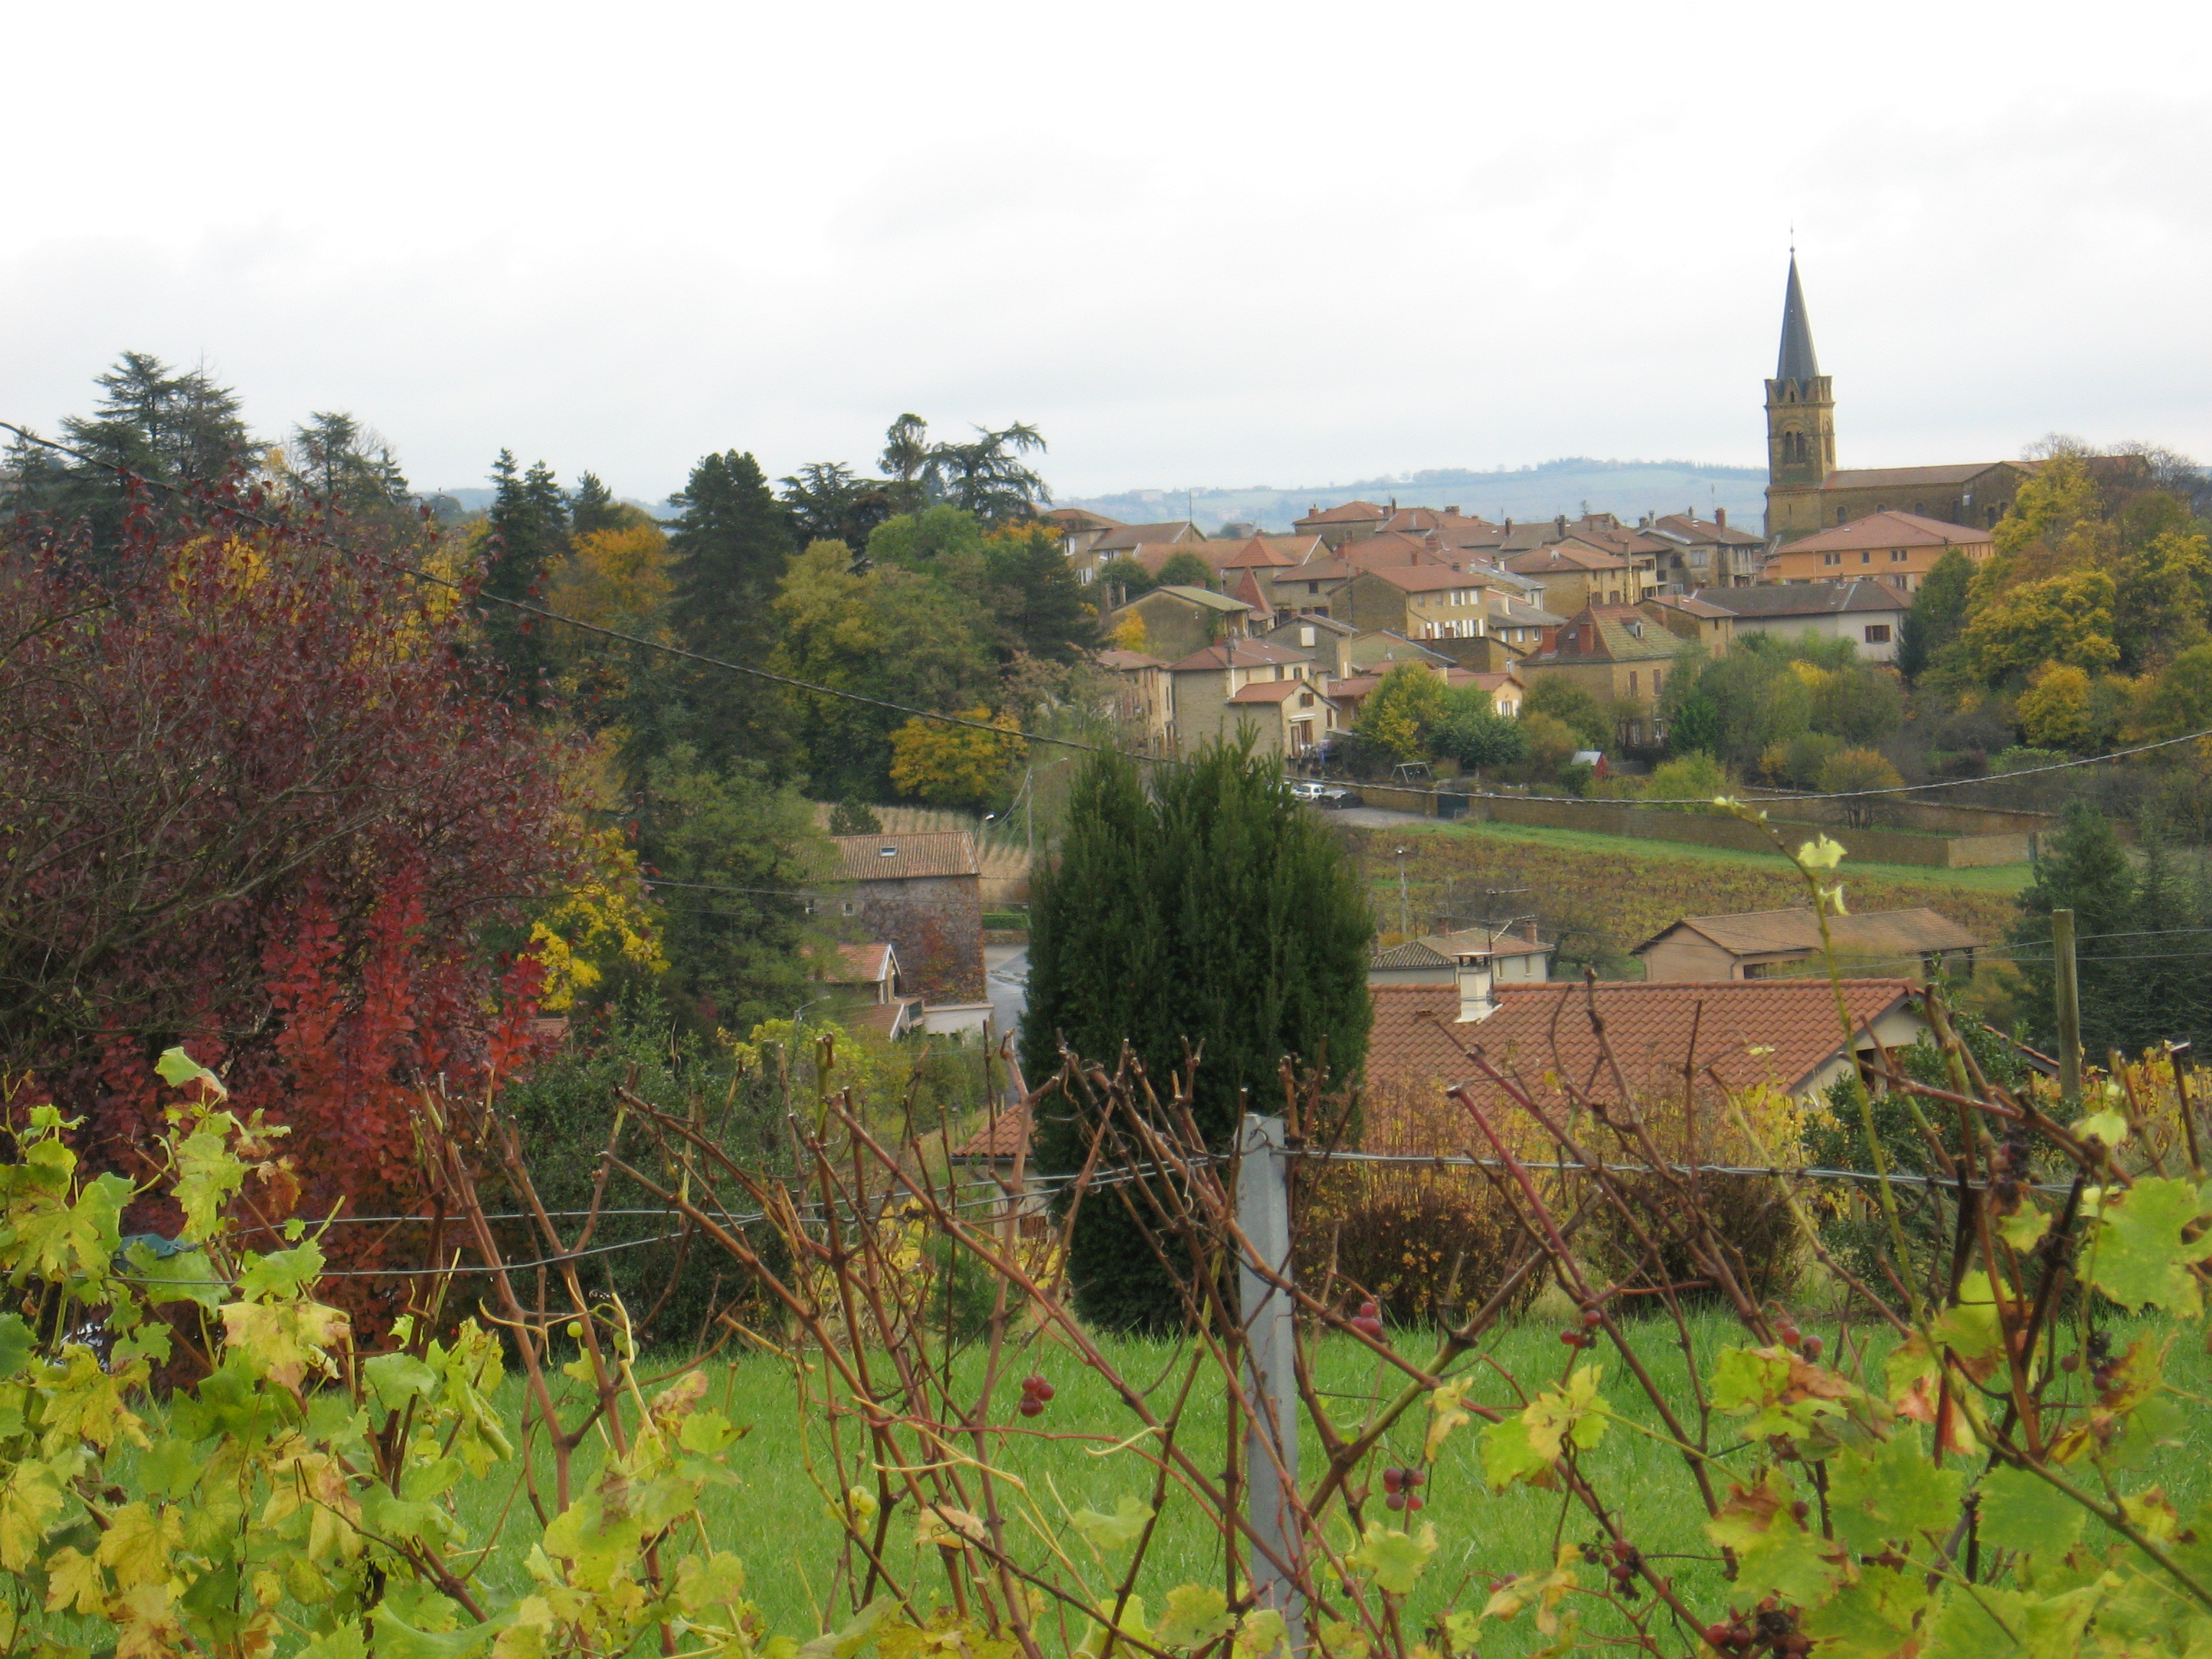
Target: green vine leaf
2140, 1257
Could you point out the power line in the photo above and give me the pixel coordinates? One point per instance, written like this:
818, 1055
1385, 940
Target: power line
1007, 733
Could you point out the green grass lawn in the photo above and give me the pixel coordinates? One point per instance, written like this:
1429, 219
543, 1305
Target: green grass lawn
775, 1518
2006, 879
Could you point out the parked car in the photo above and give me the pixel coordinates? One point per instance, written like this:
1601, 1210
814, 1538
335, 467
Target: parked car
1322, 794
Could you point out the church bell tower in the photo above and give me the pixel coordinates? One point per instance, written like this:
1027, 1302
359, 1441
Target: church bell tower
1800, 424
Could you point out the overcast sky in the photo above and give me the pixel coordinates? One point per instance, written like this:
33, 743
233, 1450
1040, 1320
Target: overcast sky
1197, 243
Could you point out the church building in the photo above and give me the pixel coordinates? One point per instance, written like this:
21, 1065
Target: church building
1807, 492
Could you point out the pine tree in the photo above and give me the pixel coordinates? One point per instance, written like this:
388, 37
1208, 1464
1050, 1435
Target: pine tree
528, 536
730, 543
594, 508
1211, 911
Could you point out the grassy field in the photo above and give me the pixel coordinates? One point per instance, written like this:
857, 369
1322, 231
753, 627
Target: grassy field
1627, 890
776, 1519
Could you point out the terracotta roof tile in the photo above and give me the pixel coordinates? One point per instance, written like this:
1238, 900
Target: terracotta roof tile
1891, 530
864, 964
897, 858
1877, 933
1004, 1136
1748, 1031
1349, 513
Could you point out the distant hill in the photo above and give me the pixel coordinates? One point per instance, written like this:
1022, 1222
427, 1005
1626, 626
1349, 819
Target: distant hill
1571, 485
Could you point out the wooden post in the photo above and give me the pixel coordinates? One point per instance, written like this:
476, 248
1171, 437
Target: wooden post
1271, 1434
2070, 1006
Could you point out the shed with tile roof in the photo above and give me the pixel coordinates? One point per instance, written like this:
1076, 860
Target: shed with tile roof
923, 893
1762, 943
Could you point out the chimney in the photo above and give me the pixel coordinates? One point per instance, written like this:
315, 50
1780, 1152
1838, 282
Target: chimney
1720, 517
1476, 999
1528, 930
1560, 524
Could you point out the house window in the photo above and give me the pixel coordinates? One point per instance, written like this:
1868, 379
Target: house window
1631, 681
1313, 588
1897, 556
1087, 572
1839, 516
1831, 558
1877, 634
1656, 678
847, 907
1866, 555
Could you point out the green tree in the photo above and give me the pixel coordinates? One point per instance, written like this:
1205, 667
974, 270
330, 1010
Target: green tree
1565, 702
1185, 570
1210, 911
987, 475
1860, 704
1852, 771
1130, 575
1696, 727
738, 934
2063, 619
1938, 615
2162, 590
1400, 714
1038, 605
2180, 700
171, 426
729, 548
1473, 732
936, 536
528, 538
828, 501
339, 461
2083, 869
1695, 778
593, 508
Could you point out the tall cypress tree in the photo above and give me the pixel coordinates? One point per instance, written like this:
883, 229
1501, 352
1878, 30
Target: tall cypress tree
730, 544
529, 535
1211, 910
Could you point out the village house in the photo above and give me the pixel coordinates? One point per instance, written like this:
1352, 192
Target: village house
1699, 621
1421, 601
1867, 613
1089, 547
921, 896
1515, 957
1620, 657
1350, 522
870, 993
1705, 552
1577, 574
1280, 693
1897, 548
1736, 1033
1764, 943
1143, 694
1324, 637
996, 1158
1179, 620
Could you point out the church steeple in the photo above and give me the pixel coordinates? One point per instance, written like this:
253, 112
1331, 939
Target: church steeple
1797, 362
1800, 423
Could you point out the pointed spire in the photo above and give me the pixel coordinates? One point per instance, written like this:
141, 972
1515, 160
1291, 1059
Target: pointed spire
1797, 362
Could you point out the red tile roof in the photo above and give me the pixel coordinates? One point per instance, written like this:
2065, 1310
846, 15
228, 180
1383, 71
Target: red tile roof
1891, 530
897, 858
1425, 578
1350, 513
1871, 478
1003, 1136
1564, 556
1240, 653
1748, 1031
864, 964
1274, 691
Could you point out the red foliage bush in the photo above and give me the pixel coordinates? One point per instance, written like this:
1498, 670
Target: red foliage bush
255, 801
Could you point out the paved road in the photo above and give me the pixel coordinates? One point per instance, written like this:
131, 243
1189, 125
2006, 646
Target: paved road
1007, 982
1378, 818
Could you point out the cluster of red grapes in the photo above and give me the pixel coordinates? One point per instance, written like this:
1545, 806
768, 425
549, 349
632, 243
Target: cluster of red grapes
1793, 1338
1769, 1627
2101, 1363
1400, 1489
1578, 1336
1626, 1562
1035, 1392
1368, 1321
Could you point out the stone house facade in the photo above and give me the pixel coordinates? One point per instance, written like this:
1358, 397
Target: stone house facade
923, 896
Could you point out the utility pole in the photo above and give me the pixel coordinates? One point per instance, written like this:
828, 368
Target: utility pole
2070, 1006
1405, 910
